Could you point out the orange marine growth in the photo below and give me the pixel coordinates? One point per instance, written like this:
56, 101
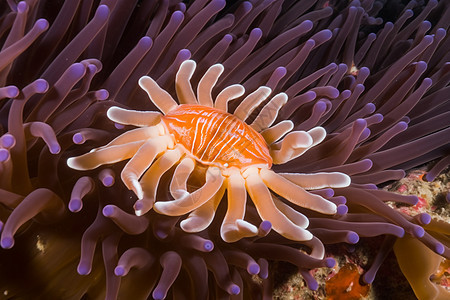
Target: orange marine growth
215, 137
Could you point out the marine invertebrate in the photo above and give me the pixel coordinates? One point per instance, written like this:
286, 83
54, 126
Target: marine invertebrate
236, 157
379, 88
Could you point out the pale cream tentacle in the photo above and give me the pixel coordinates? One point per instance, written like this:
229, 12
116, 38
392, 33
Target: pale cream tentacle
183, 85
150, 179
143, 158
282, 151
180, 177
134, 135
162, 99
295, 144
297, 218
185, 201
296, 194
269, 112
200, 218
276, 132
261, 197
317, 248
133, 117
233, 226
103, 156
246, 107
229, 93
207, 83
318, 180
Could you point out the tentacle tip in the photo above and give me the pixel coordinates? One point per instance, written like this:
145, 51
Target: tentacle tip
418, 231
352, 237
71, 163
219, 4
143, 81
108, 210
439, 248
7, 140
329, 262
7, 242
424, 219
178, 16
75, 205
110, 112
346, 180
78, 138
108, 181
430, 177
119, 271
342, 209
55, 149
158, 294
4, 155
102, 11
234, 289
368, 278
253, 269
41, 86
21, 7
401, 233
264, 228
161, 234
313, 285
208, 246
42, 24
83, 269
12, 92
101, 94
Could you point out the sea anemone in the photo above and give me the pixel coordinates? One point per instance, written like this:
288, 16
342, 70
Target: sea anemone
378, 89
199, 135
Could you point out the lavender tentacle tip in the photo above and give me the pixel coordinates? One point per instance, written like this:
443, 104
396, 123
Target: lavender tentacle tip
418, 231
83, 269
11, 91
208, 246
424, 218
4, 155
329, 262
264, 228
75, 205
108, 210
439, 248
342, 209
78, 138
41, 86
119, 271
42, 24
352, 237
102, 12
21, 7
253, 269
234, 290
7, 242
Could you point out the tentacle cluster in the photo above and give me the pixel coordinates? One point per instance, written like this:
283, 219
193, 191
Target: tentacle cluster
153, 151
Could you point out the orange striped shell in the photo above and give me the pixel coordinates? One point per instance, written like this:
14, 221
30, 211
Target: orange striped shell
215, 137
